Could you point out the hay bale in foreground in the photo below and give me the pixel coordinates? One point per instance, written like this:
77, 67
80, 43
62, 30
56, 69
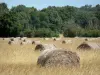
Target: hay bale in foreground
42, 47
56, 58
88, 46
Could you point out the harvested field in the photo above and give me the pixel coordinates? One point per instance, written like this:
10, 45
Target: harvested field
22, 59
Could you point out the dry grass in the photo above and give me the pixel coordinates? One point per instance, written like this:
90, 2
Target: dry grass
21, 60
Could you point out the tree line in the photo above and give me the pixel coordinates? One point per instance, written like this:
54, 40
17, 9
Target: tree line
50, 22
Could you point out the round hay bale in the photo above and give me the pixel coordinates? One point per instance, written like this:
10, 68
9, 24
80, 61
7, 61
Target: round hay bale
11, 39
42, 47
64, 42
86, 39
23, 43
24, 40
54, 39
56, 58
39, 47
35, 42
10, 42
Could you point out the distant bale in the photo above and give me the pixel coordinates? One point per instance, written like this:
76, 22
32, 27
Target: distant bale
12, 39
10, 42
66, 41
41, 47
13, 42
56, 58
88, 46
24, 40
56, 39
86, 39
35, 42
23, 43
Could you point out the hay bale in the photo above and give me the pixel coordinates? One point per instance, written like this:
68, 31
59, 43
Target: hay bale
12, 39
36, 42
88, 46
86, 39
57, 58
24, 40
10, 42
23, 43
56, 39
64, 42
42, 47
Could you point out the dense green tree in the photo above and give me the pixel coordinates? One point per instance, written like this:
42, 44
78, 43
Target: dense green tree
50, 21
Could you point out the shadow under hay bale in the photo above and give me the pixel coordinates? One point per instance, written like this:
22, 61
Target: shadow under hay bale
88, 46
41, 47
57, 58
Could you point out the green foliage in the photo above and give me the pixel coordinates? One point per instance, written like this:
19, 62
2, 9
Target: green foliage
44, 32
50, 21
28, 33
69, 33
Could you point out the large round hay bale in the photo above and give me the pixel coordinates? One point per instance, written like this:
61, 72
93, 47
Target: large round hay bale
56, 58
42, 47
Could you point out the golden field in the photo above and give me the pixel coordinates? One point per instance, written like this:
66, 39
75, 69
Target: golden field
21, 59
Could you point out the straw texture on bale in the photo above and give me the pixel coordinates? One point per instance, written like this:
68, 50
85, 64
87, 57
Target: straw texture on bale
88, 46
56, 58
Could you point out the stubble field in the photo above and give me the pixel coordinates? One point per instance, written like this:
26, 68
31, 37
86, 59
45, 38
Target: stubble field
19, 59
